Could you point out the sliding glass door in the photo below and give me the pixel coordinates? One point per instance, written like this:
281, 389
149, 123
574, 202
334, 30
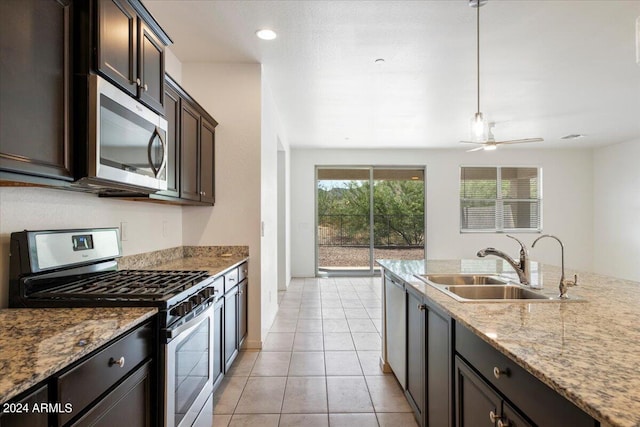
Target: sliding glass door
368, 213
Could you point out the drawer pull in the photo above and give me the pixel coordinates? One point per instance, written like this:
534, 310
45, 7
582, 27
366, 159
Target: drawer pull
503, 423
119, 362
498, 373
493, 417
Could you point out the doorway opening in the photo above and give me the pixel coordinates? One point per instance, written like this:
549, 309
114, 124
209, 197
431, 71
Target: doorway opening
368, 213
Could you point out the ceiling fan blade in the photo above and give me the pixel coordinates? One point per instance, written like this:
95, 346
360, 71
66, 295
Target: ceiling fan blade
472, 142
475, 149
520, 141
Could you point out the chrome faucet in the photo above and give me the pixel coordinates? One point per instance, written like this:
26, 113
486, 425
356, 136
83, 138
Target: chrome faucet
522, 267
564, 283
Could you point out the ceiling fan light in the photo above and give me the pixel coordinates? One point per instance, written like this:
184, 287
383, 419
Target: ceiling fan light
490, 147
479, 128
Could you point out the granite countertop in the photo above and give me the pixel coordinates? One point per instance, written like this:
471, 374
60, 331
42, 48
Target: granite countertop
212, 259
36, 343
588, 351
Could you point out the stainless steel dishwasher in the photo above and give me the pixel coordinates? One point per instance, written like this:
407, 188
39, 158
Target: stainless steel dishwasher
396, 327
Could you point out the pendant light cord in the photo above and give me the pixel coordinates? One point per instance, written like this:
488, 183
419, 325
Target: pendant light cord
478, 50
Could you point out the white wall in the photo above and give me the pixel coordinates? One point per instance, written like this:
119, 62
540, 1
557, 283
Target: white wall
567, 201
273, 138
616, 207
246, 178
172, 65
40, 209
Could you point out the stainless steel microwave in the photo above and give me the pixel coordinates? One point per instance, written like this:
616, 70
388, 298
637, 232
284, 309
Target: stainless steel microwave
127, 147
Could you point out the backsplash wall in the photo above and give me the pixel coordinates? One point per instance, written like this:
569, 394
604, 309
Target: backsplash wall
150, 226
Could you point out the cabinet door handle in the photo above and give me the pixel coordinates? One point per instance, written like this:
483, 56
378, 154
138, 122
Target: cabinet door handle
503, 423
498, 373
493, 417
422, 307
146, 88
138, 82
203, 193
119, 362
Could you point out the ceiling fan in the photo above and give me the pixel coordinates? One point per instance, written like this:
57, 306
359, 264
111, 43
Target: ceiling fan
481, 130
491, 144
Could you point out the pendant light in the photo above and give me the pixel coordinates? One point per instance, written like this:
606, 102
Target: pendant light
479, 123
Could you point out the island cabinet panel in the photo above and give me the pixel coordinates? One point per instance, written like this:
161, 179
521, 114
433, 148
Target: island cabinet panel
416, 365
531, 397
20, 411
35, 84
439, 355
475, 400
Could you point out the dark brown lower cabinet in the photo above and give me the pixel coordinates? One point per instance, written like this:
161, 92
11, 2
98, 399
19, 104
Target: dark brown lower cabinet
243, 304
230, 327
218, 343
439, 379
20, 413
523, 399
429, 353
479, 405
129, 404
416, 378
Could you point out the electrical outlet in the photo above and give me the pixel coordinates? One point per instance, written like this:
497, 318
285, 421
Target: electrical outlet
124, 231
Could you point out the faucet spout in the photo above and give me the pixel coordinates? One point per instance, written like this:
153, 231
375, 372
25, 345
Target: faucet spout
564, 283
521, 266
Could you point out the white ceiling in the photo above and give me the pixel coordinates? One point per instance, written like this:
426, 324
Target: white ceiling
548, 67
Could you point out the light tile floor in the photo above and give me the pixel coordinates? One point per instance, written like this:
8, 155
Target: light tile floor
319, 365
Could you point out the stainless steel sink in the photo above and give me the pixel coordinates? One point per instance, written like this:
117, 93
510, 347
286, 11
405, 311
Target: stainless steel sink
490, 292
465, 279
484, 288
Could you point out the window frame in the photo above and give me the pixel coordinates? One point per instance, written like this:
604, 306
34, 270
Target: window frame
499, 201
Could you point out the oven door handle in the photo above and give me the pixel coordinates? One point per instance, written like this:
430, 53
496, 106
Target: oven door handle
172, 332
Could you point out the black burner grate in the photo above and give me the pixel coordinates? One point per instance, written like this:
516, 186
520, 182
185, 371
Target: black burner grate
128, 284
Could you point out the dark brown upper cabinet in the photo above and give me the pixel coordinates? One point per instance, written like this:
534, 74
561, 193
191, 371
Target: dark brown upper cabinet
35, 87
191, 151
197, 155
130, 50
207, 160
172, 114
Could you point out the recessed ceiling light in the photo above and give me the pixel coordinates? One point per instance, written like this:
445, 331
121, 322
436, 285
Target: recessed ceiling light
266, 34
573, 136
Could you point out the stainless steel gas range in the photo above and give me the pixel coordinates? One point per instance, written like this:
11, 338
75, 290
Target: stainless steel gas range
78, 268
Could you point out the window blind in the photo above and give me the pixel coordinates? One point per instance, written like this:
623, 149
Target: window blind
500, 199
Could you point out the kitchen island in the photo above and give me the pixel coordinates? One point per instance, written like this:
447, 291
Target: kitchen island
587, 351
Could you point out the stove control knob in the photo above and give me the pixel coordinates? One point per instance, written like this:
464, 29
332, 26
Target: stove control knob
208, 292
197, 299
182, 309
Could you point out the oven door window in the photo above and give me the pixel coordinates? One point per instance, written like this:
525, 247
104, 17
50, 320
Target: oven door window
191, 368
129, 142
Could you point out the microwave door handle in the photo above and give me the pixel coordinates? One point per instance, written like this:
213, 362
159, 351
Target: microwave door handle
156, 132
